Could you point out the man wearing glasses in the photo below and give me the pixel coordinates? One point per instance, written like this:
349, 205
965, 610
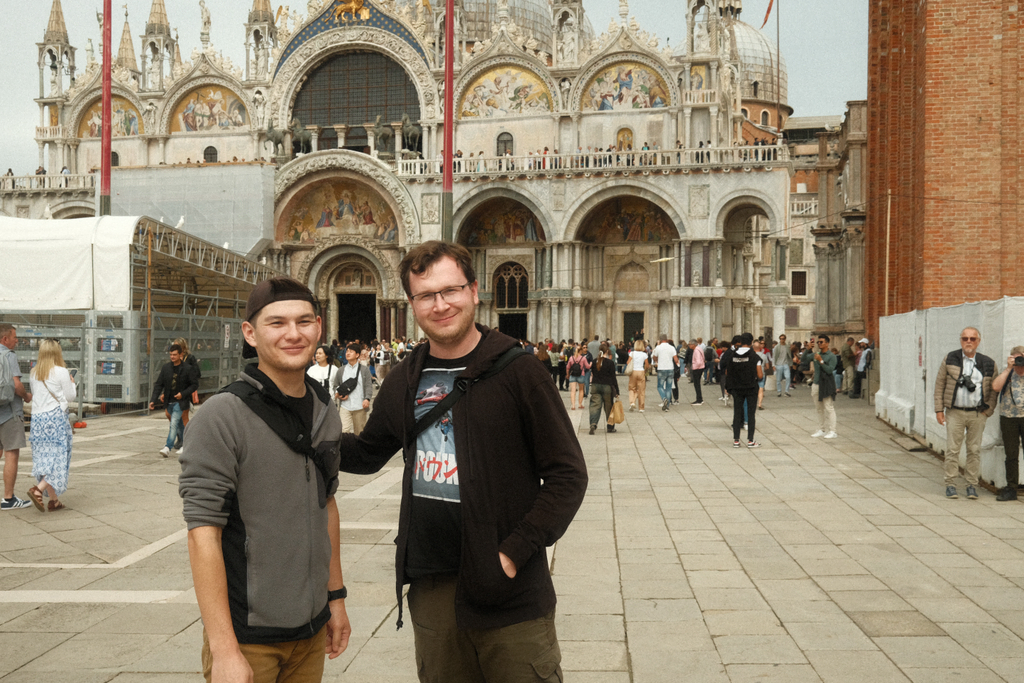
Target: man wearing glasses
964, 400
487, 486
823, 388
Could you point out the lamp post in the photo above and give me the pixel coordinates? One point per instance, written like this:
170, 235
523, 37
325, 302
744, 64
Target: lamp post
447, 158
106, 128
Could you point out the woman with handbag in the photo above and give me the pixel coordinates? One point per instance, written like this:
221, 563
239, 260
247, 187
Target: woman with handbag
604, 388
324, 372
576, 372
638, 376
53, 390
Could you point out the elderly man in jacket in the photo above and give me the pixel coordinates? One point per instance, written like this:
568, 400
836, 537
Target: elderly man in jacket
489, 483
964, 400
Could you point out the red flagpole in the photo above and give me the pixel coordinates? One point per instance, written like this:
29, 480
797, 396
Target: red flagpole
447, 227
107, 115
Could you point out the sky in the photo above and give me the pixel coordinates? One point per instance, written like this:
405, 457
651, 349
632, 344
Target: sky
824, 43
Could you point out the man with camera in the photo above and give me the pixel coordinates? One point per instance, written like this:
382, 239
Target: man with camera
1009, 384
964, 400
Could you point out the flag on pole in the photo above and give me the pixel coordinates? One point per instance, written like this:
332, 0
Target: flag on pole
768, 13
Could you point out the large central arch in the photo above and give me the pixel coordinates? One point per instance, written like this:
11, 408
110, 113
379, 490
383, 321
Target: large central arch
302, 61
584, 207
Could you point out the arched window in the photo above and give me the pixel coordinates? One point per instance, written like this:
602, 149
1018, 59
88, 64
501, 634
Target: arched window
511, 287
746, 114
755, 84
115, 159
351, 89
505, 145
210, 155
765, 119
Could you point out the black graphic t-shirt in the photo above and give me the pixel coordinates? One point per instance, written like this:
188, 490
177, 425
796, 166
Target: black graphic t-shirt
435, 531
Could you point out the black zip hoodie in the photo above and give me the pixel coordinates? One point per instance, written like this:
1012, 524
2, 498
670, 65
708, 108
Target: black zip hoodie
522, 477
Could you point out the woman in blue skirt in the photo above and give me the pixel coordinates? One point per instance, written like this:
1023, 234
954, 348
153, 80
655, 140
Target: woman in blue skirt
53, 389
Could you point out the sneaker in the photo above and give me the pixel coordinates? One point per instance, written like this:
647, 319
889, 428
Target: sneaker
787, 394
735, 444
753, 444
14, 503
675, 403
661, 405
593, 428
165, 451
1007, 493
951, 492
632, 407
697, 403
180, 451
972, 494
818, 433
831, 435
641, 410
610, 428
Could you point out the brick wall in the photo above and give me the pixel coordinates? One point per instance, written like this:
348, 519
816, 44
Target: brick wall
944, 90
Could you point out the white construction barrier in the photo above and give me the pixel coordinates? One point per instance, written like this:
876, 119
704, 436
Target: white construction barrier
911, 349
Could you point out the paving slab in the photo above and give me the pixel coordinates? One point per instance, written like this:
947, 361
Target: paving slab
802, 562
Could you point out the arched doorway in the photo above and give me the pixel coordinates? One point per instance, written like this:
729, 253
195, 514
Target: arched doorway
632, 286
511, 299
748, 252
355, 289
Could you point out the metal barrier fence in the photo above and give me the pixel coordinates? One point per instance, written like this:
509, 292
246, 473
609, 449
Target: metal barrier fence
118, 359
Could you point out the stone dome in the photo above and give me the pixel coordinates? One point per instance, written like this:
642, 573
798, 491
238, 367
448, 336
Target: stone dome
758, 55
532, 16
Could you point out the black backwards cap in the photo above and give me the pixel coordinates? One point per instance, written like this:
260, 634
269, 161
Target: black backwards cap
269, 292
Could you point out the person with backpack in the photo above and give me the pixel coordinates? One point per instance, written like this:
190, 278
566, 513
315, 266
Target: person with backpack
355, 391
576, 372
258, 480
493, 475
13, 396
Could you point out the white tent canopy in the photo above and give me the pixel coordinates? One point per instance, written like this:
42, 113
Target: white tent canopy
77, 264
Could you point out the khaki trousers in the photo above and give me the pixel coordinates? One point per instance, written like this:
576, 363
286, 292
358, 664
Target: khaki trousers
300, 661
958, 424
353, 420
382, 372
637, 388
826, 411
527, 652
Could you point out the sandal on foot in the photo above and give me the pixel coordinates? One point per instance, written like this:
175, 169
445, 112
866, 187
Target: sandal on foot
55, 505
37, 498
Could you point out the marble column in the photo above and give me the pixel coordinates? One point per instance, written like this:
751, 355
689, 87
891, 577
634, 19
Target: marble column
674, 330
707, 332
687, 128
685, 329
74, 154
714, 127
341, 131
577, 323
314, 132
601, 324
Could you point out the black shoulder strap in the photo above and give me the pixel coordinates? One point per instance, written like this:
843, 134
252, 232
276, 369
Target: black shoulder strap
278, 421
460, 388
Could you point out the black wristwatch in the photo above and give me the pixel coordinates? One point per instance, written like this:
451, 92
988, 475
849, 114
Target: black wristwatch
339, 594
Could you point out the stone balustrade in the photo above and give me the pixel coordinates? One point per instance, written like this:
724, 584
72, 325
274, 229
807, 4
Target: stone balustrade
46, 183
599, 162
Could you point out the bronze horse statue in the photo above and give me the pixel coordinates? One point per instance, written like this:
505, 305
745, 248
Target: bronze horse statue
382, 135
302, 137
411, 132
275, 136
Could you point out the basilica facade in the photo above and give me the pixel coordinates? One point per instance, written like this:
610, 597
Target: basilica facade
604, 183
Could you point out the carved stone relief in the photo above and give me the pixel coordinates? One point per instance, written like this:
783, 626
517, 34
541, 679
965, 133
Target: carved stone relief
700, 201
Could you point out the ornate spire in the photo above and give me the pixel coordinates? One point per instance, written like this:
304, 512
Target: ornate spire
126, 53
177, 51
56, 31
158, 23
261, 12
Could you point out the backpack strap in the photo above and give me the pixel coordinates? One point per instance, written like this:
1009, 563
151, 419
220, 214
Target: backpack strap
282, 422
460, 388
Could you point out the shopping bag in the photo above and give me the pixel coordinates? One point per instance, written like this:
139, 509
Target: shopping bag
618, 415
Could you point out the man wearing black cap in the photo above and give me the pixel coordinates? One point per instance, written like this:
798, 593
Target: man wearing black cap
258, 480
494, 474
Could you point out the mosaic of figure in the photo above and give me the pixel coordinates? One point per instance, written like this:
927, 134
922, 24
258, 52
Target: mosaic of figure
627, 219
698, 77
501, 221
338, 207
625, 86
125, 120
209, 108
505, 91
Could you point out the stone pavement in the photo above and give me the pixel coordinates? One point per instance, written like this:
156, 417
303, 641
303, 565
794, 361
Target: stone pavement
805, 560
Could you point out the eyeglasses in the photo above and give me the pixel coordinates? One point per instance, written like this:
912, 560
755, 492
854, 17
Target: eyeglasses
821, 341
968, 339
449, 294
